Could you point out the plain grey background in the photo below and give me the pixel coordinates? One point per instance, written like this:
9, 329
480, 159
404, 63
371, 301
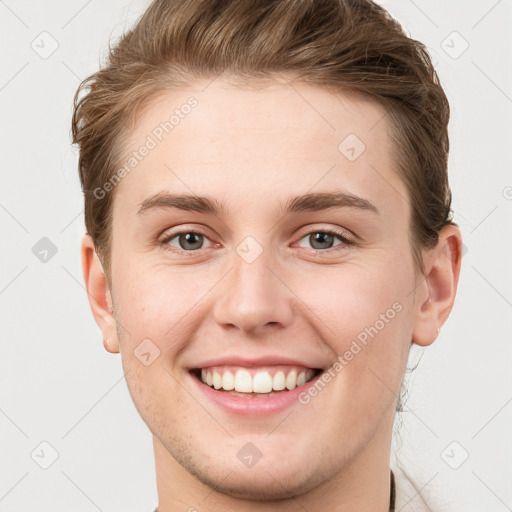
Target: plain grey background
59, 387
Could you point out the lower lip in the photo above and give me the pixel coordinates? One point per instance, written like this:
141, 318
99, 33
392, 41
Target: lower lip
253, 406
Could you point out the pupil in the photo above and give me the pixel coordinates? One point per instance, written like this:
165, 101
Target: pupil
191, 238
322, 238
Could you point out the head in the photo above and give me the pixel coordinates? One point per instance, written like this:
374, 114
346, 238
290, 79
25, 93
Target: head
310, 139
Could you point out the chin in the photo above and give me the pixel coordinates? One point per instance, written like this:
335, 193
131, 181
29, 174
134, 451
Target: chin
257, 484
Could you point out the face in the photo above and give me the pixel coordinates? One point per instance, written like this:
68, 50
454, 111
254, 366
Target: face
261, 288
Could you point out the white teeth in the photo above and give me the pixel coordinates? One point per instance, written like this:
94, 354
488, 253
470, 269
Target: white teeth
243, 381
279, 382
291, 380
262, 382
228, 381
217, 380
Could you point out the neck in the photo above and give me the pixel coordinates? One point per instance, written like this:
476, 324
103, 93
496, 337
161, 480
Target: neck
362, 485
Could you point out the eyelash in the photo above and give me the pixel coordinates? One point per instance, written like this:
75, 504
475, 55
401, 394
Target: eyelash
346, 242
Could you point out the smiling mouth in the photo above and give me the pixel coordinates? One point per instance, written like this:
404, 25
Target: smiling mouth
253, 382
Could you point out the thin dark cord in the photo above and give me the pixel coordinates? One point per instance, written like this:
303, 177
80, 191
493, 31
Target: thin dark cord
392, 493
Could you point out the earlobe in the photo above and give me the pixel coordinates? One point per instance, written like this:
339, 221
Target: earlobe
111, 347
98, 293
436, 295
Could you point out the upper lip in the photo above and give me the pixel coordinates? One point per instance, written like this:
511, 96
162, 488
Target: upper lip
252, 362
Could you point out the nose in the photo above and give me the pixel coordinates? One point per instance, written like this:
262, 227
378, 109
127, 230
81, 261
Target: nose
254, 296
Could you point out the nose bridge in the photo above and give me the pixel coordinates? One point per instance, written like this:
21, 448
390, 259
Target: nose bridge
253, 296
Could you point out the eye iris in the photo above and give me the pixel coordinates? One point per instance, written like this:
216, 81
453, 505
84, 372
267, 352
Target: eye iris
322, 238
191, 238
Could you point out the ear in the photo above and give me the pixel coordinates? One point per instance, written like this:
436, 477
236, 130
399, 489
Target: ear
98, 292
436, 293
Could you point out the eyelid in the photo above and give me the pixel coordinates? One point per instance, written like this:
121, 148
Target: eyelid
172, 231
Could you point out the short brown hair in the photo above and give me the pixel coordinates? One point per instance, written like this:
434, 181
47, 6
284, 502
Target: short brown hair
345, 45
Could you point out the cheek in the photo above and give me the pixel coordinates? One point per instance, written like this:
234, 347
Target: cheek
152, 301
366, 318
159, 310
152, 314
350, 298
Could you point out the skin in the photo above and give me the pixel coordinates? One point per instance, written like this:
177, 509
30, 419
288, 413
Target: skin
253, 149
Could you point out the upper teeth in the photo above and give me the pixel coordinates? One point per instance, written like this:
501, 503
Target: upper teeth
261, 381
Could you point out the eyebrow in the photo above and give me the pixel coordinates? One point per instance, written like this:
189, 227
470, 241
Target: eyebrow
306, 203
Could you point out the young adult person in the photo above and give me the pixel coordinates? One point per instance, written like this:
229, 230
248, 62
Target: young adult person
269, 230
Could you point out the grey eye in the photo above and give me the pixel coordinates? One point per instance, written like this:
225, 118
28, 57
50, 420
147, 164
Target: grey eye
321, 240
188, 241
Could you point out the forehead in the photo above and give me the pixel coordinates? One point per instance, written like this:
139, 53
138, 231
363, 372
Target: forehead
242, 142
